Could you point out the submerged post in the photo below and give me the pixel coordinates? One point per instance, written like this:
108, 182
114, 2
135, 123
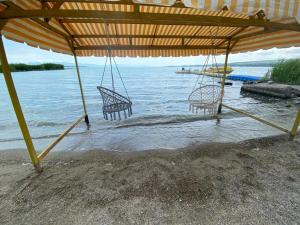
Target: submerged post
17, 107
224, 77
81, 91
296, 125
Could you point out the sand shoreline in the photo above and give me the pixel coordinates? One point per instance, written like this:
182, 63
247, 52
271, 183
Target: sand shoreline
251, 182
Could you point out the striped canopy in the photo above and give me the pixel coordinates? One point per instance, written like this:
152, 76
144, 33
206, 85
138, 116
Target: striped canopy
152, 27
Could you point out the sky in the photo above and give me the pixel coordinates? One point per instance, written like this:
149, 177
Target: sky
22, 53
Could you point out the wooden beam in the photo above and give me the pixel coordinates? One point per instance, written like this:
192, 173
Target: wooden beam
120, 2
296, 124
57, 5
233, 44
149, 36
46, 24
197, 31
17, 9
49, 27
2, 24
44, 4
94, 16
136, 8
147, 47
258, 119
175, 20
130, 41
233, 35
154, 34
43, 154
265, 31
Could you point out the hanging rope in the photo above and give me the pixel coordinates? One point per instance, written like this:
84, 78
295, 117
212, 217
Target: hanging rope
114, 104
121, 78
202, 69
205, 97
104, 70
214, 60
110, 56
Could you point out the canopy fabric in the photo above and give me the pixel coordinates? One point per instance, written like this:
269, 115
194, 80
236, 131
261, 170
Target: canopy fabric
272, 8
149, 28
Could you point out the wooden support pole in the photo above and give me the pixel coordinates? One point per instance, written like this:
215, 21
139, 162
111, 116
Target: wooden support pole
17, 107
81, 90
224, 77
296, 125
259, 119
60, 137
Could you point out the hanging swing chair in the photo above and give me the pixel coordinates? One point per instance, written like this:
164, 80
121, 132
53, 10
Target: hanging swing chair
205, 98
114, 104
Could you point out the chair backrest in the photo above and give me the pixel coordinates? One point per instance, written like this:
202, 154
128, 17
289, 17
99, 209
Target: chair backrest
110, 97
205, 95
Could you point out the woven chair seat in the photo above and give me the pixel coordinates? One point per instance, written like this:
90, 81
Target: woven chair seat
205, 98
114, 103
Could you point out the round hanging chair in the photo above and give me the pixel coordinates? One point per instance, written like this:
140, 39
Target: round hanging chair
114, 104
205, 98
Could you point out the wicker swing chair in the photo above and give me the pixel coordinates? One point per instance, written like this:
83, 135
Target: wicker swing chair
114, 104
206, 97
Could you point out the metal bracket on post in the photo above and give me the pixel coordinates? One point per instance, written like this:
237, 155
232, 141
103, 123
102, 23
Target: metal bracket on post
17, 108
86, 119
224, 76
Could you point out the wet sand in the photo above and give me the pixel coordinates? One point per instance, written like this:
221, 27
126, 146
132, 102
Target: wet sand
251, 182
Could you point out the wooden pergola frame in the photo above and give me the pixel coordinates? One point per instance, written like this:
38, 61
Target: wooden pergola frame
42, 17
93, 16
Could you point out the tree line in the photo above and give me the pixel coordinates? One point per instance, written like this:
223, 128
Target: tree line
21, 67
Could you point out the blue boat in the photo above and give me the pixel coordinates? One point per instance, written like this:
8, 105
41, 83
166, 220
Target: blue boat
243, 77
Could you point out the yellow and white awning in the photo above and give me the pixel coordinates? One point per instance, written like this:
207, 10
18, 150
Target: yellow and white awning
152, 27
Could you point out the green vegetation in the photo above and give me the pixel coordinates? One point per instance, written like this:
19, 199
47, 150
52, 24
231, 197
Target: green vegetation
24, 67
287, 72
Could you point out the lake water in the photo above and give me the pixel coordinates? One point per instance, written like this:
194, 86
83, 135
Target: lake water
51, 102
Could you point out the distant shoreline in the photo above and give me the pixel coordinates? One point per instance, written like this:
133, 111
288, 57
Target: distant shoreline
20, 67
264, 63
232, 65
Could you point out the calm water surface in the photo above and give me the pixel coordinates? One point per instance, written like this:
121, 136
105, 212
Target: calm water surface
51, 101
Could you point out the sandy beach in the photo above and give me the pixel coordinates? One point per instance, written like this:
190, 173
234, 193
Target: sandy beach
251, 182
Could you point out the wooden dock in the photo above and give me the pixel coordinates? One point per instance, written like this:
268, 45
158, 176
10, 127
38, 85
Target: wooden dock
273, 89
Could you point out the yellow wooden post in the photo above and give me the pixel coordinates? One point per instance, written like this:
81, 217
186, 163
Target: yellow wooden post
296, 125
17, 107
81, 90
224, 78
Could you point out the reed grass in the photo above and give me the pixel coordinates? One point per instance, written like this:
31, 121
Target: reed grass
20, 67
287, 72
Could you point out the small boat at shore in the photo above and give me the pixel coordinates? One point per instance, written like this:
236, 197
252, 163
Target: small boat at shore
184, 71
212, 72
219, 70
